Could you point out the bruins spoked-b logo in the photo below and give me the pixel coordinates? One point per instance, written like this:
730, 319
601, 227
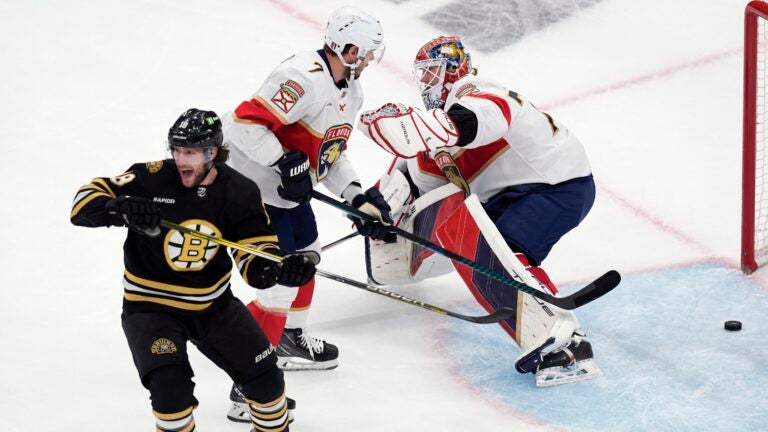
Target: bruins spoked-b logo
185, 252
163, 346
333, 144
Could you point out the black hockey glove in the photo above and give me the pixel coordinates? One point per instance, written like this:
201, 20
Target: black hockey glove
298, 268
374, 204
137, 213
294, 175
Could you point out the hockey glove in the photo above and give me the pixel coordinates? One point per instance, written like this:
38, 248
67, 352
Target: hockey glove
297, 268
294, 175
374, 204
405, 131
137, 213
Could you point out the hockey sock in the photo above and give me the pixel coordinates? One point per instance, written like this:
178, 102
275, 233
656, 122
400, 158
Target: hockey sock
271, 416
182, 421
271, 322
299, 314
538, 273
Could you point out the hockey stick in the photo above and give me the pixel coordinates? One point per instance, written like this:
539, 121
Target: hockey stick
593, 291
499, 315
338, 242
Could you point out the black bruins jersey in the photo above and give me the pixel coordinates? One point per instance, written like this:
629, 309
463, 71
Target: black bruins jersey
174, 270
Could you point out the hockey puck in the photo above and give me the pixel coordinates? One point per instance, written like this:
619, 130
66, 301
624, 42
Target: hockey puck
732, 325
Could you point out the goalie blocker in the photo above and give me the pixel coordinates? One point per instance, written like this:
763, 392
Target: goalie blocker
552, 343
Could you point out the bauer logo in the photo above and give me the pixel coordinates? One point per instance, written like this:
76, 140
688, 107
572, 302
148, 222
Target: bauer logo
185, 252
334, 142
163, 346
264, 354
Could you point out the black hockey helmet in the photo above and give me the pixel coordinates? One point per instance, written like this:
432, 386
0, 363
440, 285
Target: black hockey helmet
196, 128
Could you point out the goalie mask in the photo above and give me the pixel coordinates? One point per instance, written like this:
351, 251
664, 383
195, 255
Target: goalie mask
440, 63
348, 25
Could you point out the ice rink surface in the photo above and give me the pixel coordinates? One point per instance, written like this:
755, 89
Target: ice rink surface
652, 88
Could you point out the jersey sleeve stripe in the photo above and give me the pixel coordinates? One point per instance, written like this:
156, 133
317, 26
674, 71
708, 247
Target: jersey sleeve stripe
84, 200
104, 186
499, 101
257, 110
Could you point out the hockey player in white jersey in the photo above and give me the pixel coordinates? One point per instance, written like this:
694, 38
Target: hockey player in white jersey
528, 180
290, 136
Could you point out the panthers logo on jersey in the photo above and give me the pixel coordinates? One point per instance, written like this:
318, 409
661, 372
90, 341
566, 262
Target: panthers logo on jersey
334, 142
185, 252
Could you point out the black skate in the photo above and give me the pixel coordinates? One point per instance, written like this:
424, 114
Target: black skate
238, 411
299, 351
569, 364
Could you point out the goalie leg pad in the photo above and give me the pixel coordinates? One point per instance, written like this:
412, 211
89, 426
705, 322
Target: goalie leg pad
540, 329
403, 262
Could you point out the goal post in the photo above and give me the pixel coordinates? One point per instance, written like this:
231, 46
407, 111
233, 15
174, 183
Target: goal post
754, 216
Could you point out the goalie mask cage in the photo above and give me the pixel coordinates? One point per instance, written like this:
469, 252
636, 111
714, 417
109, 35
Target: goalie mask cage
754, 213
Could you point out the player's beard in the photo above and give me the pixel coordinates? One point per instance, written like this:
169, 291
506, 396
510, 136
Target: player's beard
192, 176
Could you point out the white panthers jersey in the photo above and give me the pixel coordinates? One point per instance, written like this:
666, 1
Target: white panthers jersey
299, 107
515, 143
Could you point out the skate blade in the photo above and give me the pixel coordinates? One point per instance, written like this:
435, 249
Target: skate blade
580, 371
238, 412
301, 364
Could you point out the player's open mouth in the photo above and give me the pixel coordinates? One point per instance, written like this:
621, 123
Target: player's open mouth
186, 173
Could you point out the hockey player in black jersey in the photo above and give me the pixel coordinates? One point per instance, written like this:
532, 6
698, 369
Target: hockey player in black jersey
176, 286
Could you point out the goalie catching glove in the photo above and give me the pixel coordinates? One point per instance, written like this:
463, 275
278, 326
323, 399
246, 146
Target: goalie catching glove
405, 131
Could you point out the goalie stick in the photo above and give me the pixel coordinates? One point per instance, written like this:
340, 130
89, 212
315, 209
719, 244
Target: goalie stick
499, 315
594, 290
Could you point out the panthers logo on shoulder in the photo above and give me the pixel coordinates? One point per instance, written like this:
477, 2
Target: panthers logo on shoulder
185, 252
154, 167
334, 142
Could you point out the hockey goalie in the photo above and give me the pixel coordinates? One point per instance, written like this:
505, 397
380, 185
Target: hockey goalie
484, 173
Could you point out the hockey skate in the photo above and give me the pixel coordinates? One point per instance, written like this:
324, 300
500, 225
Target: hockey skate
299, 351
238, 411
570, 363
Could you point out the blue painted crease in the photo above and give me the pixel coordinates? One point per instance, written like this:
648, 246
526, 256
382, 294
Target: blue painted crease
668, 363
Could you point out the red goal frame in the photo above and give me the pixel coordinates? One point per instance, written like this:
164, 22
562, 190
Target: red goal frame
754, 11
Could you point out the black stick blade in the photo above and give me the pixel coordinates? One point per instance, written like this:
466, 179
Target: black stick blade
500, 315
598, 288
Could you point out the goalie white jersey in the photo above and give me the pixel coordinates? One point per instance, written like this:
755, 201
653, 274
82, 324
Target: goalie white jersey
515, 143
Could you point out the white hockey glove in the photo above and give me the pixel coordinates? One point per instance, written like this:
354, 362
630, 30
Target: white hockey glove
405, 131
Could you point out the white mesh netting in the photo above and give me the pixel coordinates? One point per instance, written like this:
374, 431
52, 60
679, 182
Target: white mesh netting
761, 161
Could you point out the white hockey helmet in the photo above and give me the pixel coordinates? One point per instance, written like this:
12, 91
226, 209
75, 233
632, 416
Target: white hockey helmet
348, 25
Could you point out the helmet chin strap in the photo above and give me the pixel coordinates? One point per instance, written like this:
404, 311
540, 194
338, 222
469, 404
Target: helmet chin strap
208, 164
350, 66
